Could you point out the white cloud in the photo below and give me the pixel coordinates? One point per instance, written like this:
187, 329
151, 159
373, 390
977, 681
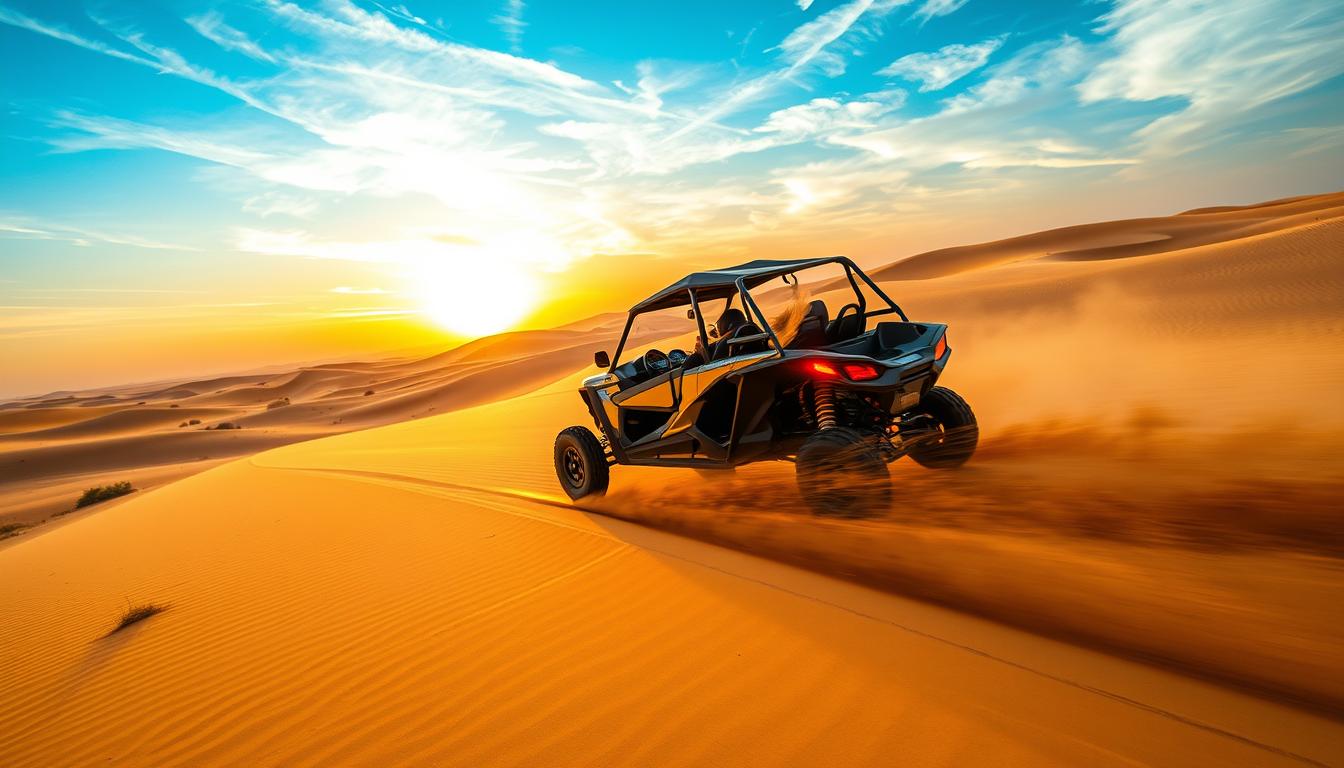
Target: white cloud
97, 132
838, 185
1021, 115
401, 12
275, 203
1225, 59
935, 8
824, 115
32, 229
938, 69
352, 291
511, 23
211, 26
809, 42
1047, 65
23, 21
354, 23
378, 111
804, 4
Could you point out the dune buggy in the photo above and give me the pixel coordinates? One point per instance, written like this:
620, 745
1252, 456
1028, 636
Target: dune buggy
838, 398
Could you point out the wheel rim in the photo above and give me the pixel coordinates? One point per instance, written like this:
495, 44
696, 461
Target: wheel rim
572, 464
942, 434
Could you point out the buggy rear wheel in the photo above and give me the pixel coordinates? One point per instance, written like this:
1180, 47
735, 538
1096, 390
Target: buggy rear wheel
580, 463
841, 473
958, 432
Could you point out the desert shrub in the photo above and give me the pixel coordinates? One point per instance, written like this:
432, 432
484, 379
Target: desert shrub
281, 403
174, 405
137, 613
226, 425
11, 529
103, 493
368, 392
193, 422
183, 424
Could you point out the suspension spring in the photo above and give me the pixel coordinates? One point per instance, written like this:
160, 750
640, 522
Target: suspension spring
823, 398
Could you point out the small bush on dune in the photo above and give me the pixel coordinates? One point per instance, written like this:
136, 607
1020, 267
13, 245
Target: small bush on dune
368, 392
281, 403
226, 425
103, 493
193, 422
11, 529
137, 613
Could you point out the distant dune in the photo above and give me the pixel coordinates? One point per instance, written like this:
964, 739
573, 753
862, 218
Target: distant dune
49, 446
1123, 239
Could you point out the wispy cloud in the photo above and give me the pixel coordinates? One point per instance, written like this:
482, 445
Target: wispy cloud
938, 69
1049, 64
352, 291
401, 12
24, 21
807, 45
1225, 60
510, 21
931, 9
352, 108
810, 43
825, 116
28, 229
211, 26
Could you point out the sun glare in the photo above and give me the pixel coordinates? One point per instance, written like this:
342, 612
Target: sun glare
473, 296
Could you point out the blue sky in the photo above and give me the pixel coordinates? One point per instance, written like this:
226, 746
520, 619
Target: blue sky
242, 160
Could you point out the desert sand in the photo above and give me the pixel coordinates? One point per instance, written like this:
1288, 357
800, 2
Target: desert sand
1144, 558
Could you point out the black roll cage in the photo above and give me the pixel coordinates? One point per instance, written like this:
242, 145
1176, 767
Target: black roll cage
851, 269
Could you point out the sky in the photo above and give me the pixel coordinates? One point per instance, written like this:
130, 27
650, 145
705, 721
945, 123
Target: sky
193, 188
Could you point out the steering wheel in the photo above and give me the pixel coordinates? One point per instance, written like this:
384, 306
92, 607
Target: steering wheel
655, 361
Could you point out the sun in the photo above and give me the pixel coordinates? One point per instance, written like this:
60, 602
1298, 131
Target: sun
473, 295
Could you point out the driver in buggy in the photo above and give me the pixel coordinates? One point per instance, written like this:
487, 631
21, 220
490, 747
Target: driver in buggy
803, 325
729, 324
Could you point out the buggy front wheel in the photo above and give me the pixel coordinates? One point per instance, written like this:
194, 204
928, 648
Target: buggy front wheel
580, 463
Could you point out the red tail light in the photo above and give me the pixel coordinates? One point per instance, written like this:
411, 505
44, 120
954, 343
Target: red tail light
824, 368
851, 371
860, 371
940, 347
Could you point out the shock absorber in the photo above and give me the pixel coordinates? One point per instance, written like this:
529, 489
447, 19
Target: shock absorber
823, 399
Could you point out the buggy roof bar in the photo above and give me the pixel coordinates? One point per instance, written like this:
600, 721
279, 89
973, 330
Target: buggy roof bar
725, 283
722, 283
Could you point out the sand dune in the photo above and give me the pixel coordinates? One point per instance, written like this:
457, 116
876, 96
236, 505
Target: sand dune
1122, 239
359, 619
118, 422
92, 435
35, 417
